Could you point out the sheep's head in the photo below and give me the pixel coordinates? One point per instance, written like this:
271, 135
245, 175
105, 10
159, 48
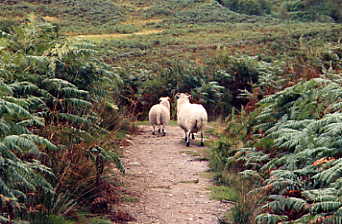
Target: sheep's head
183, 98
165, 101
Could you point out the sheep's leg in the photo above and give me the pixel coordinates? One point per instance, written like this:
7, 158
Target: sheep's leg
185, 137
154, 130
159, 129
202, 139
163, 130
193, 136
188, 139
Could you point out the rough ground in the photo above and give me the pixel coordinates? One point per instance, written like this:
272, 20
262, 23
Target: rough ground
168, 181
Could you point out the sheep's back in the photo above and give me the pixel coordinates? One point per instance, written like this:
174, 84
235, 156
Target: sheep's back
191, 115
159, 114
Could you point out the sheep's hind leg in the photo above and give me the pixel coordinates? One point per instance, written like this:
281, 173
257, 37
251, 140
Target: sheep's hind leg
202, 139
185, 137
188, 139
163, 130
154, 130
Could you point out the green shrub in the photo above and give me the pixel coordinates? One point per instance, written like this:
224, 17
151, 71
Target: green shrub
100, 221
217, 85
250, 7
53, 219
241, 214
77, 16
293, 161
125, 28
7, 25
51, 111
313, 10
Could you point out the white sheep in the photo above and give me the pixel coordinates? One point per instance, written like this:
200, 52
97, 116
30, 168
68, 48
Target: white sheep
159, 115
192, 118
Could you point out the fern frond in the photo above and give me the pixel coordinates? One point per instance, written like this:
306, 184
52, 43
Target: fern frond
336, 106
251, 174
13, 110
27, 142
24, 88
331, 174
77, 104
5, 90
266, 218
41, 60
113, 157
325, 206
320, 195
283, 204
69, 92
56, 84
74, 119
308, 218
332, 219
4, 189
18, 101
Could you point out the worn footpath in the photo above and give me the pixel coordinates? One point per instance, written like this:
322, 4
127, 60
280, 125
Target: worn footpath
168, 181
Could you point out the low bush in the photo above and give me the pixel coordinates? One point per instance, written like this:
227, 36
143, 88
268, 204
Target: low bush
250, 7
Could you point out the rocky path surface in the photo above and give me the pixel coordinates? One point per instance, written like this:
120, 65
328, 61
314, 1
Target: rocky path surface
168, 181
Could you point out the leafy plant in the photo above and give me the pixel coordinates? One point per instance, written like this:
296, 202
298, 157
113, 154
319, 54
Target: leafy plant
250, 7
48, 102
300, 168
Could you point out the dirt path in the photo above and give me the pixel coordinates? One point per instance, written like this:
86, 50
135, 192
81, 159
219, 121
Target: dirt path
168, 181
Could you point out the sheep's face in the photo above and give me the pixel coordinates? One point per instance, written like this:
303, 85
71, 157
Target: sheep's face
183, 97
164, 99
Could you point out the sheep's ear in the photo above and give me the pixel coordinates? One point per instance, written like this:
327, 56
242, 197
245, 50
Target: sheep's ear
177, 95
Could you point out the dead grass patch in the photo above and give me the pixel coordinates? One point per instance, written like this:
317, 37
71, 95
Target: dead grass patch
116, 35
51, 19
137, 21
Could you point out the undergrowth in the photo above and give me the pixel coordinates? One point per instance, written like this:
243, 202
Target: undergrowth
286, 146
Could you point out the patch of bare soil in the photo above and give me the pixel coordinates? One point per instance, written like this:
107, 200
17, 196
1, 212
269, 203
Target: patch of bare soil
168, 183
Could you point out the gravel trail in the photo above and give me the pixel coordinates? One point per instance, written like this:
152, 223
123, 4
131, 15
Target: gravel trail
168, 181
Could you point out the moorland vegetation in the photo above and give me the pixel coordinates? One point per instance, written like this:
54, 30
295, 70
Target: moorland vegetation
270, 70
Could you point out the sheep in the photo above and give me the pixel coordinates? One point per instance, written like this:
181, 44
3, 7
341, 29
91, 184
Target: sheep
159, 115
192, 118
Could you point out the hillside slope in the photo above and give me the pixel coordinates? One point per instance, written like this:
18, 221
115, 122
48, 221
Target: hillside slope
105, 16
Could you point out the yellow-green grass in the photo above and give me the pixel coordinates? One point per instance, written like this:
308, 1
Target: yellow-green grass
101, 37
171, 123
223, 193
127, 198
